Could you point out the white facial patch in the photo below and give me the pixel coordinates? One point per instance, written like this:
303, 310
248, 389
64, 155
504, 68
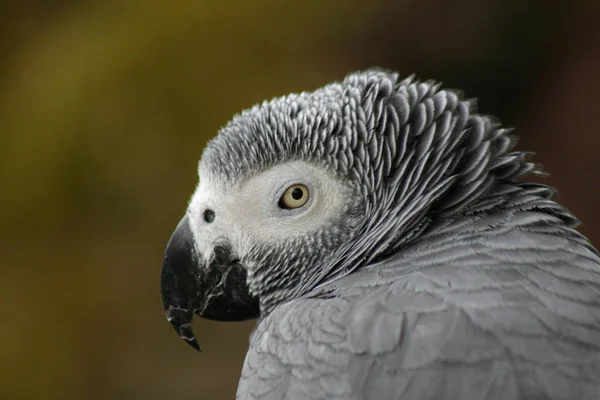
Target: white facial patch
249, 211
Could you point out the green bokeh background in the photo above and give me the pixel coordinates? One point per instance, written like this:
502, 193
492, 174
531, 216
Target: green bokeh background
105, 107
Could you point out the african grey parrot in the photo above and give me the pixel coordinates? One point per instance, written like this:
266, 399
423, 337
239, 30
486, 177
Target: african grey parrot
379, 231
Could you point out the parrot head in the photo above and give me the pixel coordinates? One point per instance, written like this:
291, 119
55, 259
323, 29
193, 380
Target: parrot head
304, 189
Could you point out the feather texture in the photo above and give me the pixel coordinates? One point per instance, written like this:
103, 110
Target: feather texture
494, 306
460, 282
409, 149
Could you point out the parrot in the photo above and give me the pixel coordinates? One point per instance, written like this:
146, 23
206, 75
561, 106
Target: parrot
390, 243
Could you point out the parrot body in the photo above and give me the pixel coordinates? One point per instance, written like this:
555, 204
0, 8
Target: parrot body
512, 315
380, 233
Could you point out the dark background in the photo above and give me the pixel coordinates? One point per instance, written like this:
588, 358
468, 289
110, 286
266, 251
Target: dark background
105, 107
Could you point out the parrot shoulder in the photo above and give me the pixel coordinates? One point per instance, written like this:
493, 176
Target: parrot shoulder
467, 317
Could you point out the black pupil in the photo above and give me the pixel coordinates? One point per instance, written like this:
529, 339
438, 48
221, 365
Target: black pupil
209, 215
297, 193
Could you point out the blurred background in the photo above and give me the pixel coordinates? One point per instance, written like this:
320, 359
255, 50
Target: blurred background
105, 107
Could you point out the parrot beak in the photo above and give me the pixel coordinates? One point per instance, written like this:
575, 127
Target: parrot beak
214, 289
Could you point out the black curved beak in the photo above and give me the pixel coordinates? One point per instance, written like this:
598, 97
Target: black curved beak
214, 289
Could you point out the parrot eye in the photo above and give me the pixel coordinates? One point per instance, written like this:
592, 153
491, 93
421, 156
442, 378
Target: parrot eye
294, 197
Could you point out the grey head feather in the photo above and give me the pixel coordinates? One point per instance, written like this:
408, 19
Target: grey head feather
416, 154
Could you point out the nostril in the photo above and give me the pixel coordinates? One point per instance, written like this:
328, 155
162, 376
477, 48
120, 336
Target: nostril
209, 215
